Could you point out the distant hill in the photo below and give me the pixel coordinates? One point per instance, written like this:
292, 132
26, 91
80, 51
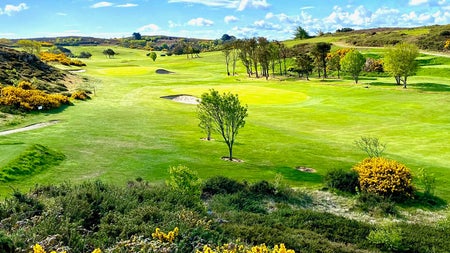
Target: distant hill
430, 38
16, 66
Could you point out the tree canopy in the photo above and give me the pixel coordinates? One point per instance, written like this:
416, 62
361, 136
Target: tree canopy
353, 63
301, 33
400, 61
226, 113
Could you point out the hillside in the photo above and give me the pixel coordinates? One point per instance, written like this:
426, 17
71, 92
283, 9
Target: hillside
430, 38
16, 66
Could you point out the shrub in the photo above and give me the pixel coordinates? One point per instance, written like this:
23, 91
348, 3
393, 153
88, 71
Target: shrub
376, 204
384, 177
184, 180
80, 95
25, 85
85, 55
373, 65
221, 185
6, 244
262, 188
342, 180
387, 237
61, 58
30, 100
427, 180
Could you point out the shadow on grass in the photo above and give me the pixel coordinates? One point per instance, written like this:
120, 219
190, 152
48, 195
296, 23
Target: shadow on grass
292, 174
419, 86
425, 201
431, 87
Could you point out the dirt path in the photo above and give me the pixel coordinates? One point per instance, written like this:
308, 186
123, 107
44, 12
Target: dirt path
29, 128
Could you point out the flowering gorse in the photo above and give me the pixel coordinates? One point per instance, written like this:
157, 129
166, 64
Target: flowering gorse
384, 177
233, 248
39, 249
163, 237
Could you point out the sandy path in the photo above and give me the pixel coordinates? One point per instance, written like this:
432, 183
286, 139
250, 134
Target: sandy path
29, 128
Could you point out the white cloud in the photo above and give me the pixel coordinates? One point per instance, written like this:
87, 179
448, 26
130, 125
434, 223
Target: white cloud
230, 19
10, 9
239, 5
213, 3
101, 5
173, 24
148, 28
200, 22
61, 14
269, 15
417, 2
127, 5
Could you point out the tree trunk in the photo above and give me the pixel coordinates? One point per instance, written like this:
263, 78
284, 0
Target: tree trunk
230, 151
397, 79
404, 82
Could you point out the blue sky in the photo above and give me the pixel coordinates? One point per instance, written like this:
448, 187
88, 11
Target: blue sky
274, 19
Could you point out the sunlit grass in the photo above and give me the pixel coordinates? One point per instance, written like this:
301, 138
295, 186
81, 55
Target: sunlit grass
127, 131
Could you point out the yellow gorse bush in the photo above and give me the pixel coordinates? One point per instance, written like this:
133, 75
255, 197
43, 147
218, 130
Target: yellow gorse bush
163, 237
39, 249
61, 58
384, 177
30, 99
233, 248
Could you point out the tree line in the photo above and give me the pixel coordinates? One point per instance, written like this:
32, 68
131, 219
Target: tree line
262, 58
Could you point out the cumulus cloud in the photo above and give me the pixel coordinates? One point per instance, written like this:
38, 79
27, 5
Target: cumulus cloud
200, 22
417, 2
10, 9
258, 4
101, 5
148, 28
240, 5
230, 19
127, 5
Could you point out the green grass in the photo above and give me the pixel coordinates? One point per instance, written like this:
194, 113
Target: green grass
127, 131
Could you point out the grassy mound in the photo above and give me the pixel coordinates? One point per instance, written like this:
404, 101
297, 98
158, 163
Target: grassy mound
36, 158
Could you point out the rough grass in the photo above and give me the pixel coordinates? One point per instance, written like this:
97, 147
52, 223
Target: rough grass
34, 159
127, 131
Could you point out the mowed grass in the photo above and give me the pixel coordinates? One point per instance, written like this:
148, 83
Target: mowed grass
127, 130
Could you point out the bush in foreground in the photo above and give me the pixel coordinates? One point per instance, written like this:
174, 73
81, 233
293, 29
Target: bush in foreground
385, 177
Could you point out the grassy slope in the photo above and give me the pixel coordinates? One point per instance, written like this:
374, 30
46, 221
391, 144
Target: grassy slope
128, 131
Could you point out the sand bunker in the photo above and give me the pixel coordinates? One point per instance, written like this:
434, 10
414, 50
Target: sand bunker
30, 127
77, 71
163, 71
305, 169
183, 98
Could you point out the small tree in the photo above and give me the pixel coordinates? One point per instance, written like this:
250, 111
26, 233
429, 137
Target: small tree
137, 36
153, 56
400, 61
304, 64
109, 53
371, 145
226, 113
301, 33
353, 63
320, 51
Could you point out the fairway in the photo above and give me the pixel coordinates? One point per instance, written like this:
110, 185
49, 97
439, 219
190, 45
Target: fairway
128, 131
